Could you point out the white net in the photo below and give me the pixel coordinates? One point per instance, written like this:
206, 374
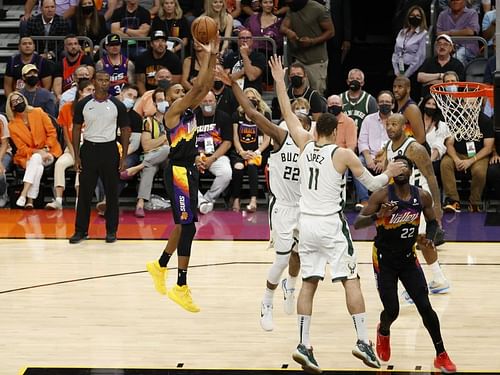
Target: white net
460, 113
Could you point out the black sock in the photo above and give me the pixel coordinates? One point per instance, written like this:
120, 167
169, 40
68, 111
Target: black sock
181, 277
439, 346
165, 257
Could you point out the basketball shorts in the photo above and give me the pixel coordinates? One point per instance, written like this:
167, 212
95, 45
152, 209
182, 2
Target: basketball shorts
182, 186
326, 240
284, 222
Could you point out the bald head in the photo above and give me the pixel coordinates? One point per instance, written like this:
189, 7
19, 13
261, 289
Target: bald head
334, 100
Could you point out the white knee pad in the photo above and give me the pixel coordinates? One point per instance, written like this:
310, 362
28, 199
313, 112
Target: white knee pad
279, 265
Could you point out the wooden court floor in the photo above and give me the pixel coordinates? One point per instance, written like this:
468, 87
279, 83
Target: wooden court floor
94, 306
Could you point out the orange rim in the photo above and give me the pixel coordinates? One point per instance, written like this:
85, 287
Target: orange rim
475, 89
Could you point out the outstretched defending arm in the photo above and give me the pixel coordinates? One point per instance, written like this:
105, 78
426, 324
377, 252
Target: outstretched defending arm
298, 133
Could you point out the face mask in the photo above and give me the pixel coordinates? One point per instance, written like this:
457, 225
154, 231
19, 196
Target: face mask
162, 106
335, 109
414, 21
128, 103
296, 81
401, 179
31, 80
255, 103
88, 9
207, 108
163, 84
451, 88
218, 85
385, 109
430, 111
354, 85
301, 111
19, 107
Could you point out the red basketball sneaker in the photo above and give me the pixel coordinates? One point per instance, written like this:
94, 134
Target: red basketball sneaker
383, 346
444, 363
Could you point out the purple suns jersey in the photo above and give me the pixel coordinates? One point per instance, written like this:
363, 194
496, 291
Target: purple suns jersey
117, 74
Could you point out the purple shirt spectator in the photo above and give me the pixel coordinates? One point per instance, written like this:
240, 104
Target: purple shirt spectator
372, 135
272, 31
449, 24
411, 46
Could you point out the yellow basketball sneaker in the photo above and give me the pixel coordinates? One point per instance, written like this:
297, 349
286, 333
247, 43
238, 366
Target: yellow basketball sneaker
159, 275
181, 295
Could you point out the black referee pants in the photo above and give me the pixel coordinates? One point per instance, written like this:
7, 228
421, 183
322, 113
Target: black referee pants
98, 160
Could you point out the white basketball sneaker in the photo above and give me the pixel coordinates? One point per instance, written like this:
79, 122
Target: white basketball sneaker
266, 317
288, 298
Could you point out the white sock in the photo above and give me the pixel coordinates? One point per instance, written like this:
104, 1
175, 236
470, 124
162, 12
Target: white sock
268, 297
291, 281
437, 271
360, 326
304, 322
59, 200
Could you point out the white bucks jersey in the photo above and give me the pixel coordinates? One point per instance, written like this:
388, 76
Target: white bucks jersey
416, 178
284, 172
321, 186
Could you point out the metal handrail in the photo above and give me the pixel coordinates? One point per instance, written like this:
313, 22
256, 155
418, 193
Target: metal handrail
255, 38
58, 39
144, 39
472, 39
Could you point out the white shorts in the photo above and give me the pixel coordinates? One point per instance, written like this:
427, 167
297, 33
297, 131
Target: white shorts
423, 225
326, 239
284, 222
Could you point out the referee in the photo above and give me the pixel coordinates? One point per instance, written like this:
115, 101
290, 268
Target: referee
98, 156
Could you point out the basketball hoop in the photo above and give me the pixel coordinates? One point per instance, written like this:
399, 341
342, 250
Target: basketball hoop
460, 103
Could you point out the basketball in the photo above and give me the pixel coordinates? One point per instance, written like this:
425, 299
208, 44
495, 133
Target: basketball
204, 29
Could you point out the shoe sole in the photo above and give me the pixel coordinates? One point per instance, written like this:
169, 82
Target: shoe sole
367, 362
153, 272
305, 363
174, 298
442, 370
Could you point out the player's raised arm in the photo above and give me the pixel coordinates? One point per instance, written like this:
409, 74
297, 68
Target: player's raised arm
275, 132
207, 54
298, 133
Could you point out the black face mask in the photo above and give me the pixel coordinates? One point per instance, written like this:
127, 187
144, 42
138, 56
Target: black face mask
218, 85
430, 111
31, 80
414, 21
335, 109
401, 180
163, 84
296, 81
88, 9
355, 85
385, 109
19, 107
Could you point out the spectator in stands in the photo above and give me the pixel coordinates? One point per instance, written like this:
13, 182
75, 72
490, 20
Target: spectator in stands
493, 174
190, 69
106, 8
357, 103
74, 57
372, 137
299, 88
458, 20
67, 159
216, 9
266, 23
131, 21
155, 145
249, 145
214, 138
35, 138
246, 65
339, 46
488, 29
155, 58
347, 131
5, 159
48, 23
170, 18
410, 48
436, 131
234, 9
37, 96
191, 9
431, 71
64, 8
13, 78
301, 106
249, 8
81, 73
462, 156
414, 126
120, 69
489, 78
145, 106
88, 22
308, 26
224, 96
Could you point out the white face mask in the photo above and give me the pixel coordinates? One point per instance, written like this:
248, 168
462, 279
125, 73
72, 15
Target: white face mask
128, 103
162, 106
207, 108
451, 88
301, 111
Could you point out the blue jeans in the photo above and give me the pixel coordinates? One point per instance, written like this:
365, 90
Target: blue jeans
361, 191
